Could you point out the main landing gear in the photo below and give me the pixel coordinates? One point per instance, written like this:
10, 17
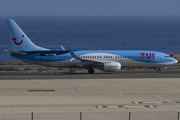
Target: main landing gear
159, 70
90, 71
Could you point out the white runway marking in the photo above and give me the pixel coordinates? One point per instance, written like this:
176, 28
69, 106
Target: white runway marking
166, 99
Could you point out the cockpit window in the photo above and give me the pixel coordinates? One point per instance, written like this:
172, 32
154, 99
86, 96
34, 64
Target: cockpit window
166, 56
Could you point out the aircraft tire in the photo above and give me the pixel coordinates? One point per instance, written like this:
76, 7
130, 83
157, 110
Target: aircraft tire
91, 71
159, 71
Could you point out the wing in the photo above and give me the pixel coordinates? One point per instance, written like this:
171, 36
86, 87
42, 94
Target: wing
85, 62
93, 63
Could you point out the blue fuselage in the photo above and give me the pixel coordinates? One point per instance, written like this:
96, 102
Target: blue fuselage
127, 58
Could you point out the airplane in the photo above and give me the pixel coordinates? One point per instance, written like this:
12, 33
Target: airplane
108, 60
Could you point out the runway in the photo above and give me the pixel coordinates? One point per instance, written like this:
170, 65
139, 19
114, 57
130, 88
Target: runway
105, 75
99, 97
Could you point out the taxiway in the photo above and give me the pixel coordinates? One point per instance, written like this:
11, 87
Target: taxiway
100, 98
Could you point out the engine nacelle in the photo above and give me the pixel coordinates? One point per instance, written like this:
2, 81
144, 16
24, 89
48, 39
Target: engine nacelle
112, 66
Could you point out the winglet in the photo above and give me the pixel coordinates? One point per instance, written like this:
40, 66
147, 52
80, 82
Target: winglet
62, 48
73, 55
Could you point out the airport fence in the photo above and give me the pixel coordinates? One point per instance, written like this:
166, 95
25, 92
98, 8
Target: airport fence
92, 116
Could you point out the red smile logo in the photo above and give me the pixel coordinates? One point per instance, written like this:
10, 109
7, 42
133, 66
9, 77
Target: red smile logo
16, 42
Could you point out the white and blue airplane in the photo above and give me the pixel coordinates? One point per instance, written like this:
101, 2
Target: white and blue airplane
107, 60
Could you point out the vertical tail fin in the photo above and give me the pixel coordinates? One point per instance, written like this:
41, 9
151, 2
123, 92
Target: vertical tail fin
19, 40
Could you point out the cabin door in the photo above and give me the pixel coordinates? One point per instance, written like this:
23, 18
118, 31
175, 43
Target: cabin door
37, 57
157, 57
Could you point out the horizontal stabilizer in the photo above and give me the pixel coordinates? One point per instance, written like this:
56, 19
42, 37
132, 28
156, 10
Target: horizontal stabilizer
16, 53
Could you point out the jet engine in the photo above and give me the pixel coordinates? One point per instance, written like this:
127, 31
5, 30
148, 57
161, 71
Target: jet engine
112, 66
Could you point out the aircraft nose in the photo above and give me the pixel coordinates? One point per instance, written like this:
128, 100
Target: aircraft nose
175, 61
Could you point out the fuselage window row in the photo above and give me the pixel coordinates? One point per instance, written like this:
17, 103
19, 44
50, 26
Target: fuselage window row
111, 57
97, 57
58, 57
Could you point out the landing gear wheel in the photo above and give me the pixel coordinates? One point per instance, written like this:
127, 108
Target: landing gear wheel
91, 71
159, 71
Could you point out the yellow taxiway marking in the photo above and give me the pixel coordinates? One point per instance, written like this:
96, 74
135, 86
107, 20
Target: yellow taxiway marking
137, 73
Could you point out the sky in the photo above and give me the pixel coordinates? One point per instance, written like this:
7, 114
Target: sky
90, 7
